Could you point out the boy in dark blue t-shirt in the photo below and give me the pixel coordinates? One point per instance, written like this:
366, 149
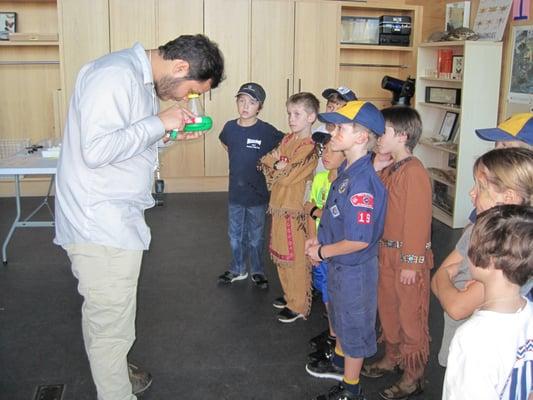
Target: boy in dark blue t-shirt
247, 139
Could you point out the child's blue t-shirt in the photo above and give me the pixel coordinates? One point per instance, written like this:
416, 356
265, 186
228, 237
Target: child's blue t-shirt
246, 145
355, 210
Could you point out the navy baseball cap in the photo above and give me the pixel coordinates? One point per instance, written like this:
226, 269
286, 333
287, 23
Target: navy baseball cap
344, 93
360, 112
254, 90
518, 127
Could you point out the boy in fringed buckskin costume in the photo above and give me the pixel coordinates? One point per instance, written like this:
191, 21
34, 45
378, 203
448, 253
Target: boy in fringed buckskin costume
288, 169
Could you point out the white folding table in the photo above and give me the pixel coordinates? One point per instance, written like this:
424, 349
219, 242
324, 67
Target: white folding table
21, 164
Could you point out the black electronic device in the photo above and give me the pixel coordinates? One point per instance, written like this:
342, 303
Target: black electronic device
394, 30
395, 24
159, 192
393, 40
402, 91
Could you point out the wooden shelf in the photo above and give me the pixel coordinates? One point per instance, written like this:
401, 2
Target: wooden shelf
442, 216
441, 107
437, 177
436, 145
347, 46
28, 43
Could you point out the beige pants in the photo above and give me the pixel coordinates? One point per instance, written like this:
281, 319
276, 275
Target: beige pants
108, 283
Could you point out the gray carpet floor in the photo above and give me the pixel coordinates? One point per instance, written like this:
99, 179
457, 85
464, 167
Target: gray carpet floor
198, 339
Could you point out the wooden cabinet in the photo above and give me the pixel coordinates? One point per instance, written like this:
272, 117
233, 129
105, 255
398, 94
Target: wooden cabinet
450, 162
272, 56
363, 66
227, 23
285, 45
316, 41
29, 74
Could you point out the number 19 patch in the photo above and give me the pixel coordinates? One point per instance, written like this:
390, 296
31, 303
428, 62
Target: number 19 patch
364, 217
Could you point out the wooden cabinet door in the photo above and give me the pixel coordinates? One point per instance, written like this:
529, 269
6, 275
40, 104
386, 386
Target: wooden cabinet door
227, 23
175, 18
316, 46
79, 46
132, 21
272, 56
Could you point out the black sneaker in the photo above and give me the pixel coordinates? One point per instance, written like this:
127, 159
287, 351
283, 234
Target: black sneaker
325, 369
322, 339
140, 380
260, 281
338, 392
280, 303
324, 353
230, 277
287, 316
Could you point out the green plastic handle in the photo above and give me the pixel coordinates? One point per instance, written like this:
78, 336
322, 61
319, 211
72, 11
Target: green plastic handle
199, 124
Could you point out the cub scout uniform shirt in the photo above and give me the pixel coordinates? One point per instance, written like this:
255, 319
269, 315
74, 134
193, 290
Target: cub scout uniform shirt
355, 210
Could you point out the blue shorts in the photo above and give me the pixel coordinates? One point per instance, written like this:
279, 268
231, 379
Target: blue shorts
320, 280
353, 306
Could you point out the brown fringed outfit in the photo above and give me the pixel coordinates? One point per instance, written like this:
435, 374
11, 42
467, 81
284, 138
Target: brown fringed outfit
289, 221
406, 244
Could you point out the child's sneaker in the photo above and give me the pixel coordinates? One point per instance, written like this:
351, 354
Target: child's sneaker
287, 315
325, 369
338, 392
260, 281
230, 277
322, 339
324, 353
279, 303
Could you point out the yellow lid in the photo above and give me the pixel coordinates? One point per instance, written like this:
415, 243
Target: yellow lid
193, 95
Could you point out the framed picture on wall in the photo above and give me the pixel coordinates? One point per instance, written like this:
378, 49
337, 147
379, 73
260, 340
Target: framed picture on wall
457, 15
8, 24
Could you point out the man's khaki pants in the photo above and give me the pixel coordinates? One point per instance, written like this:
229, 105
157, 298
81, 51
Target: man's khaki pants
108, 283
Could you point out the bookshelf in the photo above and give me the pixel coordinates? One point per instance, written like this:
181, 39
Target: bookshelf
450, 162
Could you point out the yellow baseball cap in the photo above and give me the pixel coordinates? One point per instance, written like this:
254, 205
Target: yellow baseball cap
361, 112
518, 127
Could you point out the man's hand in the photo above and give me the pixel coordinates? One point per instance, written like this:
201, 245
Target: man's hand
175, 117
407, 276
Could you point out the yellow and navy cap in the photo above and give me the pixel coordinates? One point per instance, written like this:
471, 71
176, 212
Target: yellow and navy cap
361, 112
518, 127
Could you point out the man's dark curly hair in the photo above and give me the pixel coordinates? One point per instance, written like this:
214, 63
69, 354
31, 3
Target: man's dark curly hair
203, 55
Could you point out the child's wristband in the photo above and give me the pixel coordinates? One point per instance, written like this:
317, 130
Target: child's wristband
312, 211
320, 252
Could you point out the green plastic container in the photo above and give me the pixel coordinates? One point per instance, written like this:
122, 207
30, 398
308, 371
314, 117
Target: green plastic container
203, 123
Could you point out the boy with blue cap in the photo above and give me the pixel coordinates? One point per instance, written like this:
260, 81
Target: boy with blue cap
349, 231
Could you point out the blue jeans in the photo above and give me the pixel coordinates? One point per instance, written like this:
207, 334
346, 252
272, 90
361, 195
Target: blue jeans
246, 236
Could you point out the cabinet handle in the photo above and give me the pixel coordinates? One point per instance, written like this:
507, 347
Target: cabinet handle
209, 94
299, 85
287, 88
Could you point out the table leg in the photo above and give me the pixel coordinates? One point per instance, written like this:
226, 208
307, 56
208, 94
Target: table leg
15, 222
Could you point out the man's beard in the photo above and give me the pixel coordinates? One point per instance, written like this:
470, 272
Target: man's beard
166, 87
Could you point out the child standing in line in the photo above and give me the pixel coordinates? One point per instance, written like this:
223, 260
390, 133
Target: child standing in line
491, 355
501, 176
247, 139
405, 257
348, 235
324, 343
288, 169
336, 98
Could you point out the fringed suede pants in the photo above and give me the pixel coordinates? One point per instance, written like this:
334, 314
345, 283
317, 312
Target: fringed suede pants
287, 249
403, 313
